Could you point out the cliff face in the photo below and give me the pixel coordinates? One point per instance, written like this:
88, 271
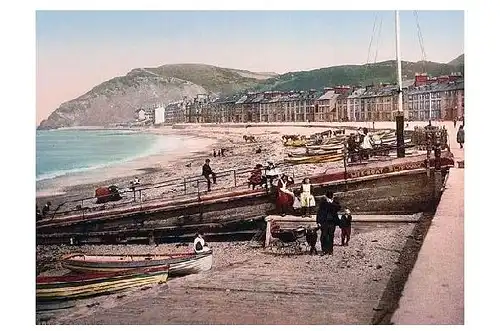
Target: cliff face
116, 100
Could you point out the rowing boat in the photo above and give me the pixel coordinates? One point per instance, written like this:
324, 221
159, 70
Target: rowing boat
314, 158
180, 264
336, 146
295, 143
78, 286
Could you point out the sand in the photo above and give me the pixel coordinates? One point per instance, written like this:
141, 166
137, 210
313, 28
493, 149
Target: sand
247, 285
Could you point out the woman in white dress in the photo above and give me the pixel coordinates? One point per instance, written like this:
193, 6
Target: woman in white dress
306, 198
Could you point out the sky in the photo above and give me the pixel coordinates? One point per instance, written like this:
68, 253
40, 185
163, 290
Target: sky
77, 50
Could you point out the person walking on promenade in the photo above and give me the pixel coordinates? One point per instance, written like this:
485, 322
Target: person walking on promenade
306, 198
461, 136
327, 219
206, 171
345, 227
455, 122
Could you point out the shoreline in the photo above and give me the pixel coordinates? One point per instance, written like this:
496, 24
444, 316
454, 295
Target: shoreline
126, 169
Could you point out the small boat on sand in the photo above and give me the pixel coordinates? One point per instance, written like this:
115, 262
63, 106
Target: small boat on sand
68, 287
180, 264
331, 157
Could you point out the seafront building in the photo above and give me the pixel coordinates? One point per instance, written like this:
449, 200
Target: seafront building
424, 98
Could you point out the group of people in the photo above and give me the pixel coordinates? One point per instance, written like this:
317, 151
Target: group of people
220, 152
330, 215
360, 144
263, 176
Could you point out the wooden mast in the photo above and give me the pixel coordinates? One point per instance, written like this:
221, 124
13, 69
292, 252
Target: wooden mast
400, 114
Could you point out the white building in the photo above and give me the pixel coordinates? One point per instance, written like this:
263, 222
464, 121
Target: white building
354, 105
159, 115
141, 114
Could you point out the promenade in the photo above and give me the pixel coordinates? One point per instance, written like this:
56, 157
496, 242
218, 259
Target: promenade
434, 292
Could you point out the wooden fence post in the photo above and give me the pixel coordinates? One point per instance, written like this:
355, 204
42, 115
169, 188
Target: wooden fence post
198, 188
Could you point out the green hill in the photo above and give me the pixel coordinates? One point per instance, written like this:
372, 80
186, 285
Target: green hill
381, 72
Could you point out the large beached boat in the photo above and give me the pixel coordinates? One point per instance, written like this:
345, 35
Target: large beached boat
384, 184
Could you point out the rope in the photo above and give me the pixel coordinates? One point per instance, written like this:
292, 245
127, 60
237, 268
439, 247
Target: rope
420, 40
370, 47
371, 39
378, 39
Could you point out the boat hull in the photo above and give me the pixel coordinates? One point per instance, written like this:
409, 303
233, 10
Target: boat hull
407, 185
94, 284
180, 264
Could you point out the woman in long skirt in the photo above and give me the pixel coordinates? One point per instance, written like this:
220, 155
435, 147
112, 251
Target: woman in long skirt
284, 198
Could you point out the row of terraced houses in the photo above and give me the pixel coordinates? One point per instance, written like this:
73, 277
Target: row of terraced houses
424, 98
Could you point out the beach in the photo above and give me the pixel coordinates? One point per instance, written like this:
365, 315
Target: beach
358, 284
367, 277
199, 144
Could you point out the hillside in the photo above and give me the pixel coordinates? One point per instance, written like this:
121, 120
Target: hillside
116, 100
458, 62
355, 75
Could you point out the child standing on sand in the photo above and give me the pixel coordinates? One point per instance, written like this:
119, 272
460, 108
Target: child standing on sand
306, 198
345, 227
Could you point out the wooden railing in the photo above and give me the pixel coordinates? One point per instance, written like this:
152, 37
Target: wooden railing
175, 188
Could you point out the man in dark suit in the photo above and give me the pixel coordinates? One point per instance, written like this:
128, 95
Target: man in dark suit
206, 171
327, 218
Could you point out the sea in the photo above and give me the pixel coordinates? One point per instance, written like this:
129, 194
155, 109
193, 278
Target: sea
62, 152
